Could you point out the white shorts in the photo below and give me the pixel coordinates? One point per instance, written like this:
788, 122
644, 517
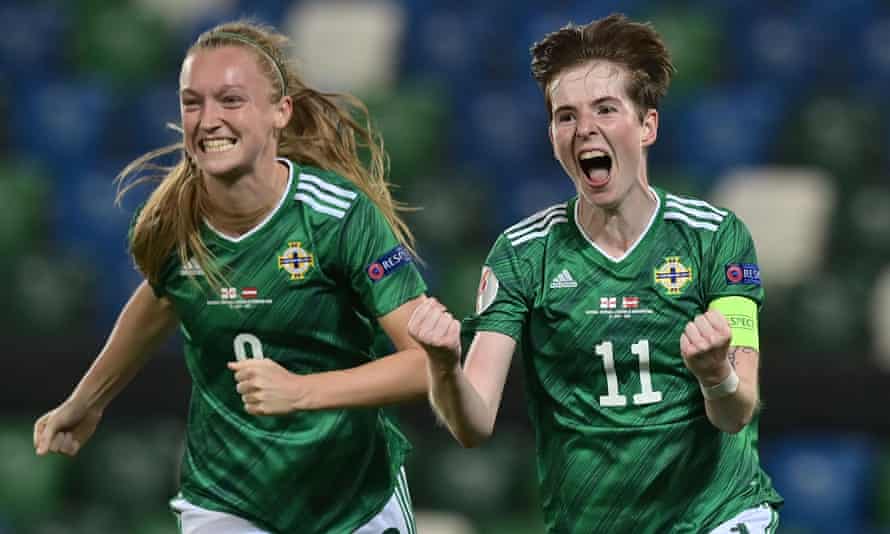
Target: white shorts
760, 520
396, 515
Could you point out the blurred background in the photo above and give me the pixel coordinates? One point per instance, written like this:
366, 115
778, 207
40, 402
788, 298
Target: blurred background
778, 111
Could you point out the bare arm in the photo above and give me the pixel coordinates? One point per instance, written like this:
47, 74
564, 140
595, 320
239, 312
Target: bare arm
267, 388
466, 399
707, 353
142, 325
733, 412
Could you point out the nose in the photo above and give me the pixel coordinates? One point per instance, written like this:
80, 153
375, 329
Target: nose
587, 126
211, 117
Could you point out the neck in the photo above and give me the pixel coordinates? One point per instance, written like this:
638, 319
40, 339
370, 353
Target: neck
616, 228
237, 206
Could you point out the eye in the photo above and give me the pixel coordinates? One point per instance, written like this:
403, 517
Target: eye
190, 104
232, 100
605, 109
565, 116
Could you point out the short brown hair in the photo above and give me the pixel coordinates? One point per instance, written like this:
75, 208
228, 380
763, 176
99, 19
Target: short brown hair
634, 45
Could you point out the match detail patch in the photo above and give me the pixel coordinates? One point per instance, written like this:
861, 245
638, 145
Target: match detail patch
743, 273
389, 263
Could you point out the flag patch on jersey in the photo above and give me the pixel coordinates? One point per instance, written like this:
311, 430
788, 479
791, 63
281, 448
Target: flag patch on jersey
743, 273
388, 263
488, 289
248, 292
296, 260
673, 275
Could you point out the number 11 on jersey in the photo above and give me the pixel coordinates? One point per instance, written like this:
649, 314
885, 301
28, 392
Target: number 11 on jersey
614, 398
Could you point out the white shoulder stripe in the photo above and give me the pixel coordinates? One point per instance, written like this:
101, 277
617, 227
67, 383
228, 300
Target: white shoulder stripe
541, 233
537, 225
694, 202
314, 204
330, 199
694, 212
330, 188
695, 224
536, 217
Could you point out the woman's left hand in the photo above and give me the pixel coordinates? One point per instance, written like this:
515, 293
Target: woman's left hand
267, 388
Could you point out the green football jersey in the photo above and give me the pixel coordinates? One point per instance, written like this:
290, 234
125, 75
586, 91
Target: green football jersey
304, 288
623, 441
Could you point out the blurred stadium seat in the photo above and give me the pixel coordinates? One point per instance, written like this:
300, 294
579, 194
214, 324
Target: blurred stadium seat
721, 128
347, 45
439, 522
788, 211
63, 137
29, 43
880, 318
827, 480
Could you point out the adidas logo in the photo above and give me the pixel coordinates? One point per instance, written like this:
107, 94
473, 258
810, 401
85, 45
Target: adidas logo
191, 268
563, 279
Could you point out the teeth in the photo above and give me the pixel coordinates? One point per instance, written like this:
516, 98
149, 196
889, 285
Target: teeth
218, 145
590, 154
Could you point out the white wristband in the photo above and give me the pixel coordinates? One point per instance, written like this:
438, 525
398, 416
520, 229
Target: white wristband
729, 386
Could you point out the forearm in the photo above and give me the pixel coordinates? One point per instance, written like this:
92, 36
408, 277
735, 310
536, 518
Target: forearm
458, 404
733, 412
142, 325
395, 378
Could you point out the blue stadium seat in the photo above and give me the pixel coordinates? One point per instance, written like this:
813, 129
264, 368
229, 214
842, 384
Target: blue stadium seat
772, 43
142, 125
91, 227
826, 479
463, 42
871, 63
724, 127
31, 40
502, 130
60, 122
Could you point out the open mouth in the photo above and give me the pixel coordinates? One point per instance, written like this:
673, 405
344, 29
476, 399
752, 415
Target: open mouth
596, 166
218, 144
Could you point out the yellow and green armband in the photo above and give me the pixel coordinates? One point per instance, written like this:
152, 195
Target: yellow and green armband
741, 312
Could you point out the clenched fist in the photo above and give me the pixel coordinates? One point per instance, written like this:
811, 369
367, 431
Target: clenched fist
704, 345
267, 388
437, 331
65, 429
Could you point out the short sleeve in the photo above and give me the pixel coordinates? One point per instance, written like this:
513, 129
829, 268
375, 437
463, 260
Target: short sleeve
734, 268
380, 270
503, 298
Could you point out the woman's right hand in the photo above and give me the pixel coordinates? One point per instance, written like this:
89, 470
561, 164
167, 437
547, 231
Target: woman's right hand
65, 429
438, 332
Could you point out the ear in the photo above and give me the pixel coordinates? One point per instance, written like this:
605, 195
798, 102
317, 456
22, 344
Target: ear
550, 136
284, 109
649, 132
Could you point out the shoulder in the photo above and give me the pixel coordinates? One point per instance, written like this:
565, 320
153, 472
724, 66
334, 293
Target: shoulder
535, 229
694, 214
324, 194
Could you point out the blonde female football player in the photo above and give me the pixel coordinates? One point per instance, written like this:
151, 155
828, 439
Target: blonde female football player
278, 254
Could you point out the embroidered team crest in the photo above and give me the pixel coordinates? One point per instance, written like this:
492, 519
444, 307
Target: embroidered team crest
673, 275
295, 260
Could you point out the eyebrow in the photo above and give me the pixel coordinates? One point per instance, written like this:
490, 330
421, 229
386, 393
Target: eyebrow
596, 102
220, 90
